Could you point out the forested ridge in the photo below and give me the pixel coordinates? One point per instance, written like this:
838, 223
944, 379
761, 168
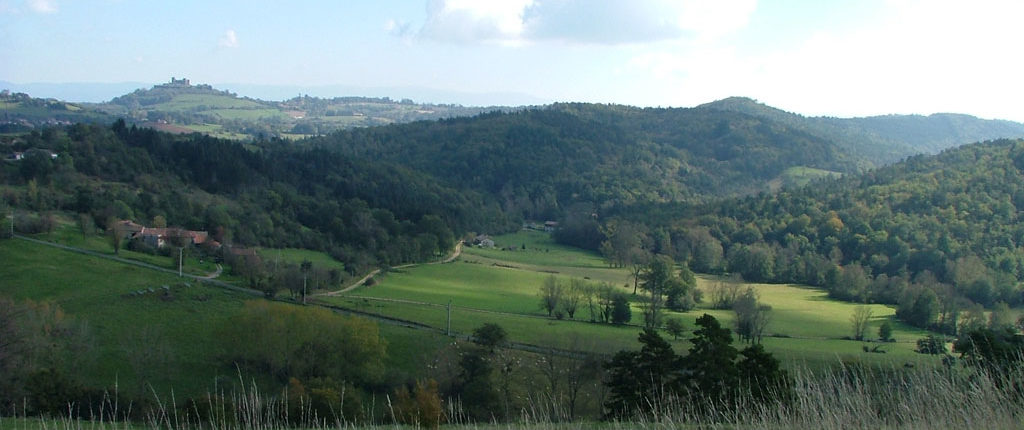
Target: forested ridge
944, 229
883, 139
539, 162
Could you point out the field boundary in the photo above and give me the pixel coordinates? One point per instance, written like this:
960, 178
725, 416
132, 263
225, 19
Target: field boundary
199, 278
520, 346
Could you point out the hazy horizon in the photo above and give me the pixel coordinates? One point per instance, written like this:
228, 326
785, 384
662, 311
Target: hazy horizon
842, 59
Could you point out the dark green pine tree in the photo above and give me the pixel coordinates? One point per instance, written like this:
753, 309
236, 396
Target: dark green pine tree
711, 372
761, 376
639, 379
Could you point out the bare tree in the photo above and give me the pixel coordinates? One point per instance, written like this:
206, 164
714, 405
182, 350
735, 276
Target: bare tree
724, 294
117, 232
638, 261
551, 294
752, 317
859, 321
605, 302
567, 371
86, 224
573, 296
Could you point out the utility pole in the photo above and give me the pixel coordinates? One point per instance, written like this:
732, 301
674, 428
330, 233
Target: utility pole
449, 330
180, 251
306, 267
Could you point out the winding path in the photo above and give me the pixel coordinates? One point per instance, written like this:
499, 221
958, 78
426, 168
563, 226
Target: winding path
375, 272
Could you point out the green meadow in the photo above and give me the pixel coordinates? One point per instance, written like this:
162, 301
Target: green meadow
483, 286
184, 102
297, 256
502, 286
177, 323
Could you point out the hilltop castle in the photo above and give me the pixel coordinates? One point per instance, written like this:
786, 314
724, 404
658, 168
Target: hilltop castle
179, 83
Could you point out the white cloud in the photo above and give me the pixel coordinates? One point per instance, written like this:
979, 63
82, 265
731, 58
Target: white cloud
923, 57
470, 21
917, 56
603, 22
712, 19
42, 6
229, 39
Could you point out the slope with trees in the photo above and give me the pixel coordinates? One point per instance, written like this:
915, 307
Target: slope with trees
540, 162
363, 213
934, 234
887, 138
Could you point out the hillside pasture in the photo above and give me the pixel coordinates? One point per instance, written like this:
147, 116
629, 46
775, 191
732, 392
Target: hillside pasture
126, 309
192, 102
805, 325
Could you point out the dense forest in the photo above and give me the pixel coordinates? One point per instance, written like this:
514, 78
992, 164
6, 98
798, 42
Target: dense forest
538, 163
269, 193
936, 235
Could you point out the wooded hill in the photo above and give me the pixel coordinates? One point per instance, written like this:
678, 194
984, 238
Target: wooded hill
883, 139
538, 162
182, 107
945, 228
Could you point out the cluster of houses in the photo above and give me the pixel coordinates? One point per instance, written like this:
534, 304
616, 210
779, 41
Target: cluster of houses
158, 237
482, 241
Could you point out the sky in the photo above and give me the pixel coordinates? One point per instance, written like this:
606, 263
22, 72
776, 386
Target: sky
835, 58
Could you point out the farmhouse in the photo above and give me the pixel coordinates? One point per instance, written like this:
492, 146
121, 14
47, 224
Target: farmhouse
157, 237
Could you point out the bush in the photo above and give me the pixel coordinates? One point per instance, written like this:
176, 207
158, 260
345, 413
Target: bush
932, 344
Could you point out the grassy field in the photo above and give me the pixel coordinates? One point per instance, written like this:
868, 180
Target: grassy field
187, 102
101, 292
799, 176
502, 286
217, 131
297, 256
183, 321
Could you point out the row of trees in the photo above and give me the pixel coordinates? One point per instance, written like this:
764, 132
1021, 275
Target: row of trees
602, 301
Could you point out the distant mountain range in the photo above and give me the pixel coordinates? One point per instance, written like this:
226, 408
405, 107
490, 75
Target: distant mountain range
182, 107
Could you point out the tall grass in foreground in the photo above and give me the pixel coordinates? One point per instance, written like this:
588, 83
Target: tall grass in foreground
840, 398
